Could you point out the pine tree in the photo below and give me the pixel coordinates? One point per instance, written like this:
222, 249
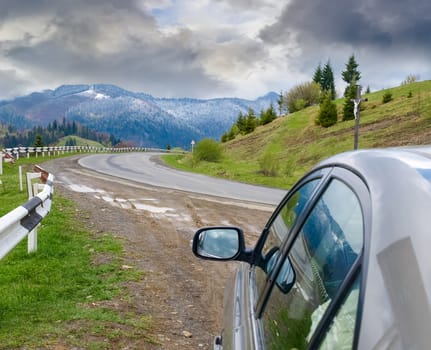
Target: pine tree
351, 75
280, 103
327, 82
267, 116
251, 121
318, 75
241, 122
349, 106
38, 142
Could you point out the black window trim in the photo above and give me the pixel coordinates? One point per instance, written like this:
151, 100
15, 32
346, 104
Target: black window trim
285, 247
339, 298
360, 266
316, 175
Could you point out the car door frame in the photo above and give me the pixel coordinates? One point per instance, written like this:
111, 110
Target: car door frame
358, 185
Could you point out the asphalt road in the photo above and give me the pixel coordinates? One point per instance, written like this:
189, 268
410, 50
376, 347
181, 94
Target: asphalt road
142, 168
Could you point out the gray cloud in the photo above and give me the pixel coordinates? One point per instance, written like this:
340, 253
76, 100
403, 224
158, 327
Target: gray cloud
11, 84
386, 36
113, 42
363, 23
175, 48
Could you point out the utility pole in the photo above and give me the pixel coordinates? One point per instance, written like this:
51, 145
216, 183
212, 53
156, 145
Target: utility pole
356, 112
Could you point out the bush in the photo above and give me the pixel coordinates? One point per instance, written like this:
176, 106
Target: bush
302, 96
268, 164
387, 97
208, 150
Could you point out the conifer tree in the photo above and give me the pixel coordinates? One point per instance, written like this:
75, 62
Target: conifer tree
317, 77
328, 111
348, 108
251, 121
38, 142
351, 74
280, 103
327, 82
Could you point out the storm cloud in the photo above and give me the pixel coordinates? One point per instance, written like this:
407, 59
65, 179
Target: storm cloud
209, 48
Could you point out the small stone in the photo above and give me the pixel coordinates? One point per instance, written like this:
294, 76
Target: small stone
187, 334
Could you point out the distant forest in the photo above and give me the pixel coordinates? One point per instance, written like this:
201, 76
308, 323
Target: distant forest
40, 136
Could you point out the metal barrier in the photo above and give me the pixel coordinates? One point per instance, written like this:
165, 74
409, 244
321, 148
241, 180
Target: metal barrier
10, 154
22, 221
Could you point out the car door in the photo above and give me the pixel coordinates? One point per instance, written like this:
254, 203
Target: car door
246, 285
307, 272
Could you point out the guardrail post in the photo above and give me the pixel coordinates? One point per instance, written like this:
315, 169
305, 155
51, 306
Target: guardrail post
20, 177
33, 190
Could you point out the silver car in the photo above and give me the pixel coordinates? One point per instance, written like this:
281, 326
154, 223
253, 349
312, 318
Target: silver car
344, 262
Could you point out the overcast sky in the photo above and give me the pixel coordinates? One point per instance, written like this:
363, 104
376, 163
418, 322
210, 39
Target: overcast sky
209, 48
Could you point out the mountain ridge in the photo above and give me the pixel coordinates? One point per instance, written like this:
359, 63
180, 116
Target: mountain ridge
132, 116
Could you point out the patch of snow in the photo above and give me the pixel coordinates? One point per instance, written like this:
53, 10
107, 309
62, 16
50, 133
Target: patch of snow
81, 188
152, 209
91, 93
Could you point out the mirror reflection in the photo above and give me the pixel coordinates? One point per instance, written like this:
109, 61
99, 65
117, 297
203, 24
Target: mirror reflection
286, 276
220, 243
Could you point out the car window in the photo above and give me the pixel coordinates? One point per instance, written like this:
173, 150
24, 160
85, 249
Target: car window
321, 255
342, 327
279, 230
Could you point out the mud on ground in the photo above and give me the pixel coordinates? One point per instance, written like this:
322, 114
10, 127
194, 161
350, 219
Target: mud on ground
183, 294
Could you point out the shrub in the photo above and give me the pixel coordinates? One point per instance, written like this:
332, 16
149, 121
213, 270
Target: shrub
387, 97
302, 96
208, 150
268, 164
327, 113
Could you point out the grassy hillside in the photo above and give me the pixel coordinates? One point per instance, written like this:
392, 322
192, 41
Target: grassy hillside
293, 143
64, 293
79, 141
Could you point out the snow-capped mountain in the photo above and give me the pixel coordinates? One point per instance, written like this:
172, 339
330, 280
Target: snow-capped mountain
140, 117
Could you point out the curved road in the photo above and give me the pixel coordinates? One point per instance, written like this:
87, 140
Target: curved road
141, 167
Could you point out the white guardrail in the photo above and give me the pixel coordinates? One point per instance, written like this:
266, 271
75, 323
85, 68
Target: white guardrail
22, 221
18, 152
14, 153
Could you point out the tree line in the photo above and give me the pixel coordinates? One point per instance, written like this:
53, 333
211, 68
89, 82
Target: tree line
40, 136
247, 122
321, 90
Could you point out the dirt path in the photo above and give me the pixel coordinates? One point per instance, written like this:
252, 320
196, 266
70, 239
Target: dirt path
182, 293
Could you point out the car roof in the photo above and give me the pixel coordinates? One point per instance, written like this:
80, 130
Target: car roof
396, 307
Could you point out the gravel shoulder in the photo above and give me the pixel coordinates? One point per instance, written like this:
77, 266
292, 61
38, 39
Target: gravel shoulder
183, 294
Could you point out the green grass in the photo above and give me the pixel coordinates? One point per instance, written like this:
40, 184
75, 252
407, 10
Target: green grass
296, 144
79, 141
61, 294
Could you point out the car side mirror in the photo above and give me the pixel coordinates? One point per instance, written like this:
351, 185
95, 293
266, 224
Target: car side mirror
219, 243
286, 275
